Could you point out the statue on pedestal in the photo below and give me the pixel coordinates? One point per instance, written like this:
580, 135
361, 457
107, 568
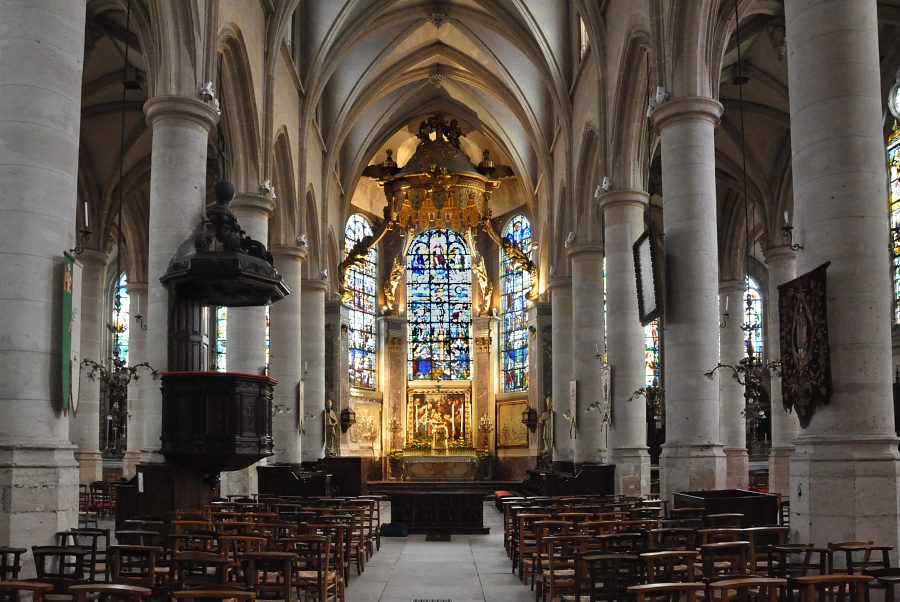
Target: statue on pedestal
545, 433
331, 429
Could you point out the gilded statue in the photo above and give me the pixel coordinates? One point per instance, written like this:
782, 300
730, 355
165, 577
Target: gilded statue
331, 429
390, 287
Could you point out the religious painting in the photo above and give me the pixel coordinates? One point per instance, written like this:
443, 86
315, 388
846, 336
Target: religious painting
646, 273
510, 430
367, 428
438, 417
805, 357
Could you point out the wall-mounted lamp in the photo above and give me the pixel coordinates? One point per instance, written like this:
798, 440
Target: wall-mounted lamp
85, 236
788, 232
348, 419
529, 418
140, 320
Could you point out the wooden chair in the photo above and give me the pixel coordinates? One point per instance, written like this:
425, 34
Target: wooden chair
557, 568
208, 593
234, 547
718, 535
525, 545
623, 543
108, 592
359, 545
687, 513
724, 560
673, 538
135, 565
834, 588
755, 589
270, 574
888, 582
763, 543
60, 566
192, 542
197, 569
10, 563
12, 590
534, 564
860, 556
732, 520
666, 592
316, 580
603, 576
96, 564
670, 566
339, 537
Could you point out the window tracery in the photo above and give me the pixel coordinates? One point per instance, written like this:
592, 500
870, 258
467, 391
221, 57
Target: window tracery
361, 285
515, 283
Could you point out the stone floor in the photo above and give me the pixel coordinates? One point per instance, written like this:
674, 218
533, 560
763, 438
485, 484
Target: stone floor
468, 568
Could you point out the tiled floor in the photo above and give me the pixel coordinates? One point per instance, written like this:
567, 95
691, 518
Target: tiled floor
468, 568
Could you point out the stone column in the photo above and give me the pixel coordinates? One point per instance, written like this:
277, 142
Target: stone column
246, 334
313, 329
780, 261
84, 426
844, 469
540, 372
137, 351
588, 346
286, 361
177, 189
561, 336
692, 456
337, 364
484, 365
392, 358
623, 219
732, 423
41, 60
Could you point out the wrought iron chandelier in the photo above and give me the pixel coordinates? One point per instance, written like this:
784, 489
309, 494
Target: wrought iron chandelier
439, 187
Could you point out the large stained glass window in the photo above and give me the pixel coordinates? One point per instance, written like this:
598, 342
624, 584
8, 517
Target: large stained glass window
753, 316
362, 284
893, 154
120, 314
651, 354
516, 283
439, 302
221, 338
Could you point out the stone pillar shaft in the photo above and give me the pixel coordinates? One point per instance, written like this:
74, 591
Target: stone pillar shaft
844, 468
177, 188
313, 329
84, 426
780, 261
732, 423
286, 362
692, 456
623, 219
41, 61
137, 350
561, 335
588, 346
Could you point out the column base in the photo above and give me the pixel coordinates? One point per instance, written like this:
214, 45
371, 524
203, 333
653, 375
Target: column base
845, 490
780, 471
632, 470
241, 482
737, 468
690, 468
39, 492
90, 466
129, 464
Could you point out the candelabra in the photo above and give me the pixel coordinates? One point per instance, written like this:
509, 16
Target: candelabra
485, 426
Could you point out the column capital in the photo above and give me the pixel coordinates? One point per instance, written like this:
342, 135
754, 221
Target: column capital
689, 108
180, 107
563, 282
584, 248
624, 198
315, 284
779, 253
731, 286
251, 204
92, 256
295, 252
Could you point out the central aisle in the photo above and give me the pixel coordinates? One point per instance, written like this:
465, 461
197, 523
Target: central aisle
468, 568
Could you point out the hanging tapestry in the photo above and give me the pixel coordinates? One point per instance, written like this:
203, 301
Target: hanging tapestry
805, 358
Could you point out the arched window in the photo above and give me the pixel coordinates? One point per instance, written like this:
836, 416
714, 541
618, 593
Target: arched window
120, 308
362, 284
893, 155
439, 300
651, 354
221, 338
515, 282
753, 316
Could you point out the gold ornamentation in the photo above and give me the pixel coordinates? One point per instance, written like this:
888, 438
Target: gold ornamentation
357, 256
515, 254
390, 287
482, 344
484, 281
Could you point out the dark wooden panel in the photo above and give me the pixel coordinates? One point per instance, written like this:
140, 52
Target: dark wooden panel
759, 509
439, 511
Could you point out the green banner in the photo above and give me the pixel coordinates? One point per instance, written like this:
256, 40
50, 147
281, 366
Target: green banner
67, 320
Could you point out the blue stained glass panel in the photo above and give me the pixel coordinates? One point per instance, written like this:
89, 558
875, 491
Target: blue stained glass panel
651, 354
439, 306
893, 156
120, 319
221, 338
362, 284
516, 284
753, 316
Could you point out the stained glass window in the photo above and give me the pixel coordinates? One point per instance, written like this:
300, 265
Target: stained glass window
651, 354
120, 315
221, 332
753, 317
893, 154
439, 300
362, 284
516, 283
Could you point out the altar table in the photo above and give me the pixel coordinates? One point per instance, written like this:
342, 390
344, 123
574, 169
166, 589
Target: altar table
436, 511
437, 467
